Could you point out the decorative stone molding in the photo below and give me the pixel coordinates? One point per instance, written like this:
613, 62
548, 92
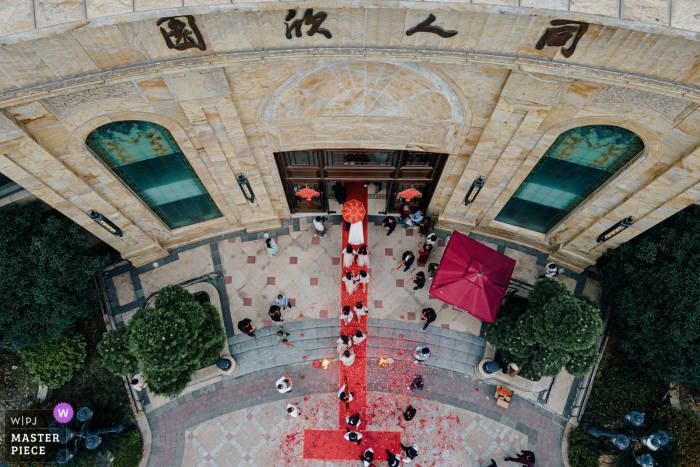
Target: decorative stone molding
64, 105
671, 107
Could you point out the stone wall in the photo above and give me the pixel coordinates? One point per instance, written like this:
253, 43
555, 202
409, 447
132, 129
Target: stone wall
486, 96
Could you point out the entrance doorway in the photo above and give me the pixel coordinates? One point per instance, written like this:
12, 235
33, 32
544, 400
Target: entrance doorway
396, 170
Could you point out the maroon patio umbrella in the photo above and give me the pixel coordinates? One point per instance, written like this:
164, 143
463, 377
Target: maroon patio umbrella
472, 277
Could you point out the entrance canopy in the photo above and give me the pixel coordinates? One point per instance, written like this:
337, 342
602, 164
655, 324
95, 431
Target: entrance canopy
472, 277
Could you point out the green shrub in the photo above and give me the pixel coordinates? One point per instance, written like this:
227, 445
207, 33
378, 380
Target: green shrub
552, 330
54, 363
115, 354
46, 270
129, 452
655, 288
685, 429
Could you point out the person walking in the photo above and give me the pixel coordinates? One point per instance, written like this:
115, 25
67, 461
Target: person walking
271, 246
293, 409
424, 227
349, 281
551, 271
363, 257
340, 192
526, 458
353, 436
419, 280
406, 260
363, 278
432, 269
358, 337
246, 327
348, 358
409, 413
360, 310
320, 226
492, 464
283, 302
416, 384
423, 254
389, 223
346, 314
353, 421
429, 315
139, 382
275, 313
345, 397
282, 335
411, 452
342, 344
367, 457
348, 256
394, 460
421, 354
284, 384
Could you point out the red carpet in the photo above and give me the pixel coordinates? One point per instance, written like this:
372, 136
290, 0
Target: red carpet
330, 445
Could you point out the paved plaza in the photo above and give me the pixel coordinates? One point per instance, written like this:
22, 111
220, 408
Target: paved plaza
242, 420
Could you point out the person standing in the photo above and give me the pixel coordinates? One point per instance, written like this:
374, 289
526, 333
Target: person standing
421, 354
340, 192
409, 413
283, 302
424, 227
348, 357
246, 327
431, 240
411, 452
360, 310
139, 382
353, 436
320, 226
419, 280
405, 212
429, 315
284, 384
363, 278
275, 313
551, 271
353, 421
417, 383
492, 464
367, 457
342, 344
349, 281
527, 458
423, 254
346, 314
432, 269
282, 335
363, 257
348, 256
358, 337
271, 247
394, 460
293, 409
345, 397
512, 369
406, 260
389, 224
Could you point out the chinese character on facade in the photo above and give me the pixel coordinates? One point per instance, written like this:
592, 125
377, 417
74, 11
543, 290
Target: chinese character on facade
180, 37
558, 37
425, 26
309, 18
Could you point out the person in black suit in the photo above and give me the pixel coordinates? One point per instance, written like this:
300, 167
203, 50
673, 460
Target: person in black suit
340, 192
389, 223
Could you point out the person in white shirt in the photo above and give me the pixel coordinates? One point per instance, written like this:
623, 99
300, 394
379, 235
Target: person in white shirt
320, 226
367, 457
139, 382
358, 337
431, 240
411, 452
354, 421
363, 278
344, 343
552, 270
422, 353
360, 310
353, 436
349, 281
284, 384
348, 256
346, 314
344, 397
363, 257
293, 409
347, 357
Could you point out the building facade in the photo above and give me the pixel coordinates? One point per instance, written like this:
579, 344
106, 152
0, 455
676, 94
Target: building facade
549, 126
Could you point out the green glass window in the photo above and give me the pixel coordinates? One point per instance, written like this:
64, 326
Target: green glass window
579, 161
147, 158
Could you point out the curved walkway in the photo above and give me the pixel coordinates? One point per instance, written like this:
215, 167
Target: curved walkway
170, 422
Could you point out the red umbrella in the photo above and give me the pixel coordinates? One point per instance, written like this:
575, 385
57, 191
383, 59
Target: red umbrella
307, 193
472, 277
410, 194
353, 211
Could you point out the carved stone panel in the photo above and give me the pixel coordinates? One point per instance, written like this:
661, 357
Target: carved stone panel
63, 106
671, 107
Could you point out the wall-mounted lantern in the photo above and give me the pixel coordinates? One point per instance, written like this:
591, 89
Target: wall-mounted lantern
245, 188
615, 229
474, 190
106, 223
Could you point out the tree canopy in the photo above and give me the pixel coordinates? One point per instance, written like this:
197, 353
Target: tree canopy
654, 284
46, 270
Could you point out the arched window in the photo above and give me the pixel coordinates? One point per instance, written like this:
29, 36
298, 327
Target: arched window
579, 161
147, 158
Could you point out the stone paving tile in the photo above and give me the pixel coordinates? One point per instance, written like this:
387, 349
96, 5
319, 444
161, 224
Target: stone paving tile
124, 288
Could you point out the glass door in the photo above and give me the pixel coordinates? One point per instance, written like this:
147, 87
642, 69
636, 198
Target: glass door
315, 204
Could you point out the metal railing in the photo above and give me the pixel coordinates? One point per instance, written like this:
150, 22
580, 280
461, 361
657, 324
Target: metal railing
583, 391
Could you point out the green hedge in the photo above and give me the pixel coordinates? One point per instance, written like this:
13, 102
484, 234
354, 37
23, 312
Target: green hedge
129, 452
